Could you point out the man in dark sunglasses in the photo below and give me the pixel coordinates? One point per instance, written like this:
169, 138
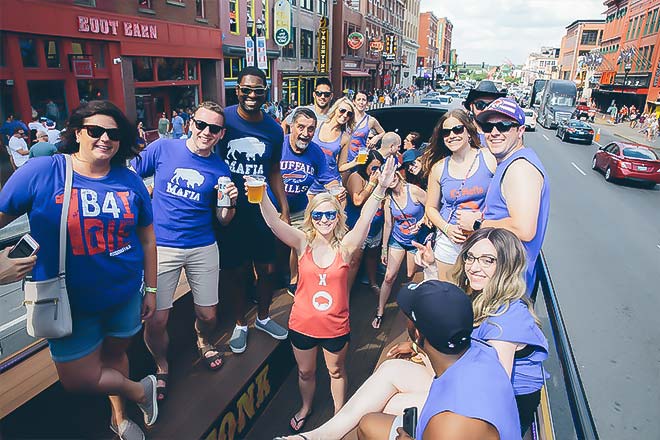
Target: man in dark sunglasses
518, 198
322, 100
479, 98
252, 146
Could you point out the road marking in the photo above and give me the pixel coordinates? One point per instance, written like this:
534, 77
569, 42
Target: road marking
597, 143
546, 138
659, 246
578, 168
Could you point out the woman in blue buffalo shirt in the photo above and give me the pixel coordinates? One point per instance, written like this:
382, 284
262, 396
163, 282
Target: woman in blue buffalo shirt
110, 247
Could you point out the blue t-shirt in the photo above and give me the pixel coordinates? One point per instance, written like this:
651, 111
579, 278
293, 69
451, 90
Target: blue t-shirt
184, 196
249, 148
299, 171
177, 126
104, 261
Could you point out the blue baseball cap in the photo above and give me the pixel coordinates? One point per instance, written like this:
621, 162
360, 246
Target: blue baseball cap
441, 312
503, 106
409, 156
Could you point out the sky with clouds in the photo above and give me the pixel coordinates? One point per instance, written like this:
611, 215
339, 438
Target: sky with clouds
494, 30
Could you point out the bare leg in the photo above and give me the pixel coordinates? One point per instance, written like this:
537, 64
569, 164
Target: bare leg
375, 426
233, 284
306, 360
336, 363
157, 339
444, 270
205, 323
113, 355
394, 260
411, 267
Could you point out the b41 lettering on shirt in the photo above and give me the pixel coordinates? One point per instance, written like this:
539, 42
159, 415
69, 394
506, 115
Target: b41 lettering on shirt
99, 224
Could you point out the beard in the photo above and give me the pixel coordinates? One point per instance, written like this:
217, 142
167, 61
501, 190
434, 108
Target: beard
302, 144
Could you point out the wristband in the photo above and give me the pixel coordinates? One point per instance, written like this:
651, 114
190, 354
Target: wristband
370, 183
377, 197
151, 290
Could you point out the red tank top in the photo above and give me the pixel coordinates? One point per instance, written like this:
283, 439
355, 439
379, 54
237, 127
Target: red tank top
320, 307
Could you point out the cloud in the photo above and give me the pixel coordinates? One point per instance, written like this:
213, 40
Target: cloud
495, 30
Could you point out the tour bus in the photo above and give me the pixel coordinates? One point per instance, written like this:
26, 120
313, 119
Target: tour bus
557, 102
535, 98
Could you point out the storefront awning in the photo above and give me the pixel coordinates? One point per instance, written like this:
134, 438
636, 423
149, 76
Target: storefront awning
355, 74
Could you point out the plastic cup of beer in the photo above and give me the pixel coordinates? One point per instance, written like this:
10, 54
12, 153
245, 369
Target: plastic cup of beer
255, 189
336, 190
362, 156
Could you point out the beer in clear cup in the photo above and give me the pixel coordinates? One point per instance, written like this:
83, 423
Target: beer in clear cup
335, 190
255, 189
362, 156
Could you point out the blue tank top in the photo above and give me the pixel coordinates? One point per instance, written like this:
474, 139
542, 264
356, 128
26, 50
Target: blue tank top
475, 386
405, 218
359, 138
353, 213
331, 150
496, 208
469, 195
516, 324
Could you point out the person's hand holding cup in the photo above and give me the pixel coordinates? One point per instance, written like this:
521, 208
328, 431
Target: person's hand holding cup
255, 186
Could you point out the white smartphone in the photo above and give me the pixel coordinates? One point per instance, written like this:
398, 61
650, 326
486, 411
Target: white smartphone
26, 247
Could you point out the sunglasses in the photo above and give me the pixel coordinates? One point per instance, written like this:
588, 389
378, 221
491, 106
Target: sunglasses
346, 111
324, 94
213, 128
95, 131
502, 126
318, 215
456, 129
258, 91
480, 105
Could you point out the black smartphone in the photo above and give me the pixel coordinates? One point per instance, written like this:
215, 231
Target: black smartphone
26, 247
410, 421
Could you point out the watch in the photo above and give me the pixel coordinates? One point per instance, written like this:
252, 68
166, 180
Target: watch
477, 224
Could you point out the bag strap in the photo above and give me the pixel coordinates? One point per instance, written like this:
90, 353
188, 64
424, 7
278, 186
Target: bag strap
68, 181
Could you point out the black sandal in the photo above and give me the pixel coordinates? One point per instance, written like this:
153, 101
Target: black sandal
376, 322
161, 390
209, 360
300, 423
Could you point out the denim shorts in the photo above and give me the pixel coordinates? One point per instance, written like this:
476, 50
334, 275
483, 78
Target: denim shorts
90, 328
393, 243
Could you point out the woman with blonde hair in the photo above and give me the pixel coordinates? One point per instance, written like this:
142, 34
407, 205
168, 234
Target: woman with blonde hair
334, 136
319, 315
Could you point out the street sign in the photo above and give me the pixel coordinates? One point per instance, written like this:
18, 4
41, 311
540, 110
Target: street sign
262, 59
323, 36
282, 33
249, 51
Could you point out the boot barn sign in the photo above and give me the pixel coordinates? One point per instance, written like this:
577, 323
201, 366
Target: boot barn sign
106, 26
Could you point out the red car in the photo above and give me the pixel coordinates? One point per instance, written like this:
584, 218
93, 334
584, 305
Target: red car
621, 160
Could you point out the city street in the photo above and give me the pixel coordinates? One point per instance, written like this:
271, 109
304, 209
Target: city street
603, 251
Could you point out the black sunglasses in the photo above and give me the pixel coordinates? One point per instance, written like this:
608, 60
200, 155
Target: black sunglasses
258, 91
348, 112
213, 128
324, 94
480, 105
502, 126
456, 129
95, 131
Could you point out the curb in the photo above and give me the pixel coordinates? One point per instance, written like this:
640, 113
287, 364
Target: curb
629, 139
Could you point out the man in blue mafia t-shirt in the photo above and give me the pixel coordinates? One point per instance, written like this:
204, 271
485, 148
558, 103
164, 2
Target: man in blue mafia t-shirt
177, 125
252, 146
184, 201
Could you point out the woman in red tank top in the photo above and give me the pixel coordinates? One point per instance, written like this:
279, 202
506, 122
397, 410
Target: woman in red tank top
320, 308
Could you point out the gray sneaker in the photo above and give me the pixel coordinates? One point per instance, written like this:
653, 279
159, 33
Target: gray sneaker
273, 329
238, 341
150, 407
127, 430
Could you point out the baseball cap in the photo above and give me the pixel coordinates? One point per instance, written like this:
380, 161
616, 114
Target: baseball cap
503, 106
441, 311
409, 156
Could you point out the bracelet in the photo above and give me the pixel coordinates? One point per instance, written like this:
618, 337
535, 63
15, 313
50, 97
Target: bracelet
378, 197
445, 228
151, 290
370, 183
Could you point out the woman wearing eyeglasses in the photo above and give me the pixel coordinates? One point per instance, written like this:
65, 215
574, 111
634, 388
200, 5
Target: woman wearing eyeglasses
111, 249
334, 136
320, 310
460, 172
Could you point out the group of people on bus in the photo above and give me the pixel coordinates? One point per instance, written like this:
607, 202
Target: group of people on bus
339, 191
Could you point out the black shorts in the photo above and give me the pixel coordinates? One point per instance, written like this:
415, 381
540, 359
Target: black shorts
247, 238
304, 342
527, 404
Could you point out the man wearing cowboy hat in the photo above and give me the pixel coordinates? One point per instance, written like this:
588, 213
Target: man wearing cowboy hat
479, 98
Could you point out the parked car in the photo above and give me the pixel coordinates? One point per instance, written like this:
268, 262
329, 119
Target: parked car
464, 93
530, 120
453, 94
621, 160
442, 100
574, 130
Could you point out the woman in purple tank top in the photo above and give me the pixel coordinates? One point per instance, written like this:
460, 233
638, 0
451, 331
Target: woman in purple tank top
365, 124
460, 172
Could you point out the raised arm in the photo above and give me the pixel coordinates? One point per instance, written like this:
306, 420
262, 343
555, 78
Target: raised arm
387, 230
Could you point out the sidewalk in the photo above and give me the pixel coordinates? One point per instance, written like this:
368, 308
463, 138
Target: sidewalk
624, 132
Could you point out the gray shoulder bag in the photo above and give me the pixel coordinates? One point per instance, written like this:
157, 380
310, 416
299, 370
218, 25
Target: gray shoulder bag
47, 301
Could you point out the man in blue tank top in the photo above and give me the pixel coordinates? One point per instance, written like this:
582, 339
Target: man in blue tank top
471, 396
518, 198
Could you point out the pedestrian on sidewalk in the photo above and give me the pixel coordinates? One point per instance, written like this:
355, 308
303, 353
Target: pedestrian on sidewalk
612, 110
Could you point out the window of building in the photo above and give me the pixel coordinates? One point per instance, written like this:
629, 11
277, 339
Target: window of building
306, 44
646, 23
143, 69
3, 49
97, 50
264, 17
289, 51
91, 3
308, 5
656, 19
232, 67
233, 16
171, 69
589, 37
77, 48
51, 49
200, 10
249, 13
323, 8
144, 4
639, 26
29, 52
192, 69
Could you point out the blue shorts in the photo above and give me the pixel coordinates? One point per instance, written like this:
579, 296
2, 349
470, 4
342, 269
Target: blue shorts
394, 243
89, 329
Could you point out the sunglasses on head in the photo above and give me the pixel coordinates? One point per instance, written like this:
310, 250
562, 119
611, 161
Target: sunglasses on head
480, 105
502, 126
324, 94
456, 129
95, 131
258, 91
213, 128
318, 215
346, 111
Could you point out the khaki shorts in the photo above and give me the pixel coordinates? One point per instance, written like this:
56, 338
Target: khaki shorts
202, 266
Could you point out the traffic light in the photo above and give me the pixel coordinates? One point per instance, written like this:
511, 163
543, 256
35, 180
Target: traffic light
483, 65
464, 65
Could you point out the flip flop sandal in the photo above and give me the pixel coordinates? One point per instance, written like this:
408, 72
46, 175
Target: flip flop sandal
375, 289
161, 390
376, 322
300, 423
209, 360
